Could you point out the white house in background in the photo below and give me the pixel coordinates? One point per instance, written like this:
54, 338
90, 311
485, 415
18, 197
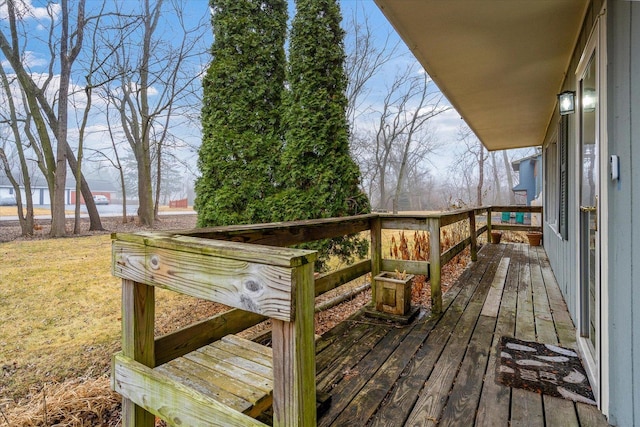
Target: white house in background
40, 190
502, 65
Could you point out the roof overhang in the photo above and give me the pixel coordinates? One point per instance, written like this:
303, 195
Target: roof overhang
500, 63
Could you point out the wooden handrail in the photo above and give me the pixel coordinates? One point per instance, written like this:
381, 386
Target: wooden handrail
185, 340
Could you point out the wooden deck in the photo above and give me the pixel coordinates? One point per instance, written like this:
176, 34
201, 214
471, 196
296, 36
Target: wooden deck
441, 371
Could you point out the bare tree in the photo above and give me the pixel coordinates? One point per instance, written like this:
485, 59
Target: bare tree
154, 88
509, 172
470, 166
401, 141
47, 99
497, 187
11, 119
366, 57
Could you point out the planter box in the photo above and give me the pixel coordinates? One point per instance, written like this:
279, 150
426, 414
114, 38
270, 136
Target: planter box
393, 295
534, 238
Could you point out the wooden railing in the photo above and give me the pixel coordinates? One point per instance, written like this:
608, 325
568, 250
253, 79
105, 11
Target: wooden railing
163, 349
297, 232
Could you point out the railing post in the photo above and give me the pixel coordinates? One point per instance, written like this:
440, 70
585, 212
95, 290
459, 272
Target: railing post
294, 363
489, 224
138, 313
433, 224
474, 240
376, 252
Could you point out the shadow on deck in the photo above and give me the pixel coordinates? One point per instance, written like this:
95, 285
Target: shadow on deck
441, 371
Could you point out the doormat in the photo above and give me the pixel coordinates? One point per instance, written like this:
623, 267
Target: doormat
542, 368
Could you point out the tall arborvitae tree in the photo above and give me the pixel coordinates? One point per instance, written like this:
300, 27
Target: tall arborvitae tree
319, 178
242, 132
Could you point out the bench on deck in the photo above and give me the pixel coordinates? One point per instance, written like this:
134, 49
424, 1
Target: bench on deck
229, 381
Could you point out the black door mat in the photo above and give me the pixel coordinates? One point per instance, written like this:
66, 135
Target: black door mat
542, 368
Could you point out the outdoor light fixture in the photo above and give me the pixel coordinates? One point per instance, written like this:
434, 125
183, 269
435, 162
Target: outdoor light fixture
567, 102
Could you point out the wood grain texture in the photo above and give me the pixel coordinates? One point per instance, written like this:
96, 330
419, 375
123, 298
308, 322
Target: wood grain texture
376, 250
454, 250
253, 253
192, 337
411, 267
294, 392
526, 406
403, 396
337, 368
138, 314
327, 282
492, 303
433, 396
250, 286
284, 234
493, 408
474, 236
171, 400
465, 393
435, 265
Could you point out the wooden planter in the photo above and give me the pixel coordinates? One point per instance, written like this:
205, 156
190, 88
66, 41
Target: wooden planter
496, 236
534, 238
393, 296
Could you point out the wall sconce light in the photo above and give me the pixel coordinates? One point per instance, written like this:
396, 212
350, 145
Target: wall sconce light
567, 102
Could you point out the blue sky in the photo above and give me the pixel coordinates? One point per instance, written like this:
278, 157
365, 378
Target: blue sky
445, 125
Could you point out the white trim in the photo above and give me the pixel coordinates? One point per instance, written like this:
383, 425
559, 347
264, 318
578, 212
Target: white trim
604, 214
597, 370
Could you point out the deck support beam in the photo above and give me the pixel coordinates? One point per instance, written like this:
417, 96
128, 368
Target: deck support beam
294, 363
474, 236
433, 224
138, 315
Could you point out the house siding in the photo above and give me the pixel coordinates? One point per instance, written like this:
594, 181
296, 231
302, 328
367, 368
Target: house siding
562, 253
623, 49
623, 139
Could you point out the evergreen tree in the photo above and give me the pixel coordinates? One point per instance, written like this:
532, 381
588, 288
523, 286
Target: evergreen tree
241, 115
319, 178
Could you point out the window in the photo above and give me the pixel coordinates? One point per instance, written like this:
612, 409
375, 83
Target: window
563, 181
556, 164
551, 186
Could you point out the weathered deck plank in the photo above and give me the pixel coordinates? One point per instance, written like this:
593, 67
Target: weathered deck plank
556, 411
402, 399
441, 371
434, 393
493, 409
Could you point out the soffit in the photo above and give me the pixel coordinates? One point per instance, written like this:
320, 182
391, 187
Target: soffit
500, 63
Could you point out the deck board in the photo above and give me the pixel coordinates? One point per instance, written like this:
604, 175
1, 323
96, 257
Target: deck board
441, 371
405, 393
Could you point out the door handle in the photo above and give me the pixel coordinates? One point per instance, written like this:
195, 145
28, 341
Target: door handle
593, 210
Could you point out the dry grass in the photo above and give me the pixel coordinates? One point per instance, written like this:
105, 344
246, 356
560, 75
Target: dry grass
60, 311
73, 403
13, 211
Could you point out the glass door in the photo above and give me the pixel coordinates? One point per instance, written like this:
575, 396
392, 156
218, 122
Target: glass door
589, 208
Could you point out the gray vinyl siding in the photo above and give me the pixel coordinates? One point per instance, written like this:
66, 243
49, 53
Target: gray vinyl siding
623, 50
623, 139
623, 95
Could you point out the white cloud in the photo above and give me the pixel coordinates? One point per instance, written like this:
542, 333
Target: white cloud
26, 10
32, 59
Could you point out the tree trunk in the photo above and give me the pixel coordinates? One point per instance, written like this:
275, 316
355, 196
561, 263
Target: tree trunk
481, 160
145, 189
507, 167
498, 188
92, 210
